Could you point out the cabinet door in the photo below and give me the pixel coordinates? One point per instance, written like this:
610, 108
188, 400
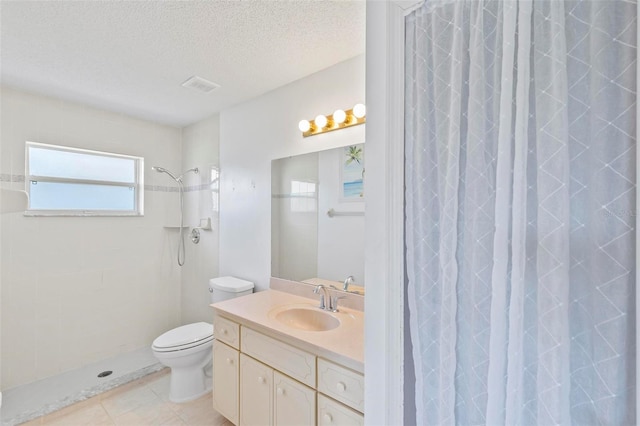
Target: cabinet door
225, 381
256, 392
332, 413
295, 403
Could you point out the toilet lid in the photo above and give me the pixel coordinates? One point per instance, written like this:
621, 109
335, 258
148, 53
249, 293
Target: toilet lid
185, 335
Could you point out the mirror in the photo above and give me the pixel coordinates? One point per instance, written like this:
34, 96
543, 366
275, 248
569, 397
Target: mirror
317, 217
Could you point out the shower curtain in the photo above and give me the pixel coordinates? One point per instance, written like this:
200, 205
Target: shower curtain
520, 211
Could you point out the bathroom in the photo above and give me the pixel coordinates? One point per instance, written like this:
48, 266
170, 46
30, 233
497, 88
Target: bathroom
71, 289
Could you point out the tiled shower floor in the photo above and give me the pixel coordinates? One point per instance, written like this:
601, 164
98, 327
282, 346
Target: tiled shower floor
53, 393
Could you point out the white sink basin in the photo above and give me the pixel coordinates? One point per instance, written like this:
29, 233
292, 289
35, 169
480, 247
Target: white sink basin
308, 319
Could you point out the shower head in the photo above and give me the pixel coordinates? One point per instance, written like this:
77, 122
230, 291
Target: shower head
194, 170
163, 170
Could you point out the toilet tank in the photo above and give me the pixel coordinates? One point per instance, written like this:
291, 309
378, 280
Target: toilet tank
224, 288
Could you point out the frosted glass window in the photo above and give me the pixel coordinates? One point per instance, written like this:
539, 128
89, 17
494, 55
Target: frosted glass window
303, 196
63, 180
80, 165
80, 196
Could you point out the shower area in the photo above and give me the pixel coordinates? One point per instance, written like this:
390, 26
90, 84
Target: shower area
520, 227
86, 295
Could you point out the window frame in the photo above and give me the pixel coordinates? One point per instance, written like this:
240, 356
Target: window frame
137, 185
296, 207
214, 186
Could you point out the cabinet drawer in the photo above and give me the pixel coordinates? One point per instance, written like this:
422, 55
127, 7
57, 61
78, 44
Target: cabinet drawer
332, 413
292, 361
342, 384
226, 331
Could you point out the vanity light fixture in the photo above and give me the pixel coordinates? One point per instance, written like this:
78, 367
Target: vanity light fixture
339, 116
321, 121
359, 110
304, 126
340, 119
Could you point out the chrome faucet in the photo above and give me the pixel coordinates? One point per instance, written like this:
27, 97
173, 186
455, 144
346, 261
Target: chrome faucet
346, 283
327, 302
325, 299
334, 303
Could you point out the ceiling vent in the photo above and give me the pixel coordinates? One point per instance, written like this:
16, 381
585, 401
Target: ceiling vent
200, 84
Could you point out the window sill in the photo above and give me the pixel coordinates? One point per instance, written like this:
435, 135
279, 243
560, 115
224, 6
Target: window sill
42, 213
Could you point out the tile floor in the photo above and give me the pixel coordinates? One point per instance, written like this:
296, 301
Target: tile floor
141, 402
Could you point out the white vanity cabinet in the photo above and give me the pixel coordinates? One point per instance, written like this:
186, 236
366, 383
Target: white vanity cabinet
227, 332
268, 397
332, 413
259, 380
256, 386
288, 359
294, 404
225, 380
341, 384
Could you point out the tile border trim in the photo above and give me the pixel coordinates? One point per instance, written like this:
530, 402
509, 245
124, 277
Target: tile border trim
7, 177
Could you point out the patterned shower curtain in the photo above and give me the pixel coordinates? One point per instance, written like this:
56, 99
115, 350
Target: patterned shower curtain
520, 211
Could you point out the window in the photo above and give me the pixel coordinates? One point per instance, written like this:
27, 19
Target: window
303, 196
79, 182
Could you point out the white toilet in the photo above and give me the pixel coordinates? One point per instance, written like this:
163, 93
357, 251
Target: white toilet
187, 350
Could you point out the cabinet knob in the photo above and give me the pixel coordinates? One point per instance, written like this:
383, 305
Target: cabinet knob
224, 331
341, 387
261, 379
328, 418
280, 391
229, 361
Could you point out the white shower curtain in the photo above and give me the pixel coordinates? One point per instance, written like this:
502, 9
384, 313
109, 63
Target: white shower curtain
520, 211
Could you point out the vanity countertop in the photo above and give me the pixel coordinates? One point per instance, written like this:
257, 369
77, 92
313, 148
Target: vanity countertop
343, 345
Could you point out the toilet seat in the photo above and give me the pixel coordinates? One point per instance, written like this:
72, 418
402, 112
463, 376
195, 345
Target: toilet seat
185, 337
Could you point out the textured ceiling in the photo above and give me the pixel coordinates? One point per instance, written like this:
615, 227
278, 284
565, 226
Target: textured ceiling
132, 56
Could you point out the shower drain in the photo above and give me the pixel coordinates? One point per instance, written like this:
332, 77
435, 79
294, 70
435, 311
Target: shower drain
105, 373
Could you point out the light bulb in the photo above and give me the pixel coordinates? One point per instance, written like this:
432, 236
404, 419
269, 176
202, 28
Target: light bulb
321, 121
339, 116
359, 110
304, 126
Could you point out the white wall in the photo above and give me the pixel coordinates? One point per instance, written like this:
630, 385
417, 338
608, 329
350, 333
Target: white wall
265, 128
200, 149
73, 286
